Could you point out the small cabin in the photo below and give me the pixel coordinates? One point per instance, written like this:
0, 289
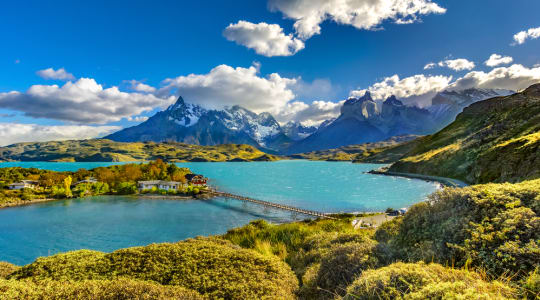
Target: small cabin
159, 184
24, 184
196, 179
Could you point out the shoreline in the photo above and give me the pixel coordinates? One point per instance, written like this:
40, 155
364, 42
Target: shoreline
26, 203
447, 182
164, 197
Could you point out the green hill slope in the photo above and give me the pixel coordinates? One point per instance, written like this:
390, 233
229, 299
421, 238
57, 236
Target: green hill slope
107, 150
495, 140
386, 151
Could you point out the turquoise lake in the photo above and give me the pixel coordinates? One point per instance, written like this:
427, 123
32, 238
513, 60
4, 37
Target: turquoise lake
111, 222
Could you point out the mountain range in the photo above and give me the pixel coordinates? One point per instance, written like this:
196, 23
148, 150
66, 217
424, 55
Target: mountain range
192, 124
362, 120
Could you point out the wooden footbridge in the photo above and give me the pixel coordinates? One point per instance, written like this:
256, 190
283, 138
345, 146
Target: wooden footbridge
273, 205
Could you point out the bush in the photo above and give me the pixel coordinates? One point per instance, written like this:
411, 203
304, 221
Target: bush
421, 281
342, 264
6, 269
495, 226
126, 188
121, 289
213, 267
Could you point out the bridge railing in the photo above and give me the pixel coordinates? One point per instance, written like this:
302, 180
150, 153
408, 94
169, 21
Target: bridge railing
271, 204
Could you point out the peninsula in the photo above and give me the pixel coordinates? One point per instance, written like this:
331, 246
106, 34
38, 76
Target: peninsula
21, 186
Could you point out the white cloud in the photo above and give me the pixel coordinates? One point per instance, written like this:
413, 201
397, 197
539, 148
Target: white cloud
458, 64
60, 74
266, 39
362, 14
228, 86
430, 66
82, 101
12, 133
309, 114
137, 119
138, 86
515, 77
496, 60
418, 89
522, 36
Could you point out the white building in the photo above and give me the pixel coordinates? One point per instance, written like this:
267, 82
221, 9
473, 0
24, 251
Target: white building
25, 184
159, 184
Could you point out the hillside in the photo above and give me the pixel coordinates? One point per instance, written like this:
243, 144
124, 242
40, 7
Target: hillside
387, 151
106, 150
495, 140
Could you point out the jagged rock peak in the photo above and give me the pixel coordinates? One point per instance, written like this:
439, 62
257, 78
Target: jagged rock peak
352, 100
179, 103
393, 101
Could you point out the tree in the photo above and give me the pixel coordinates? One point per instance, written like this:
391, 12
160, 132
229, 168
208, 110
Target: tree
67, 186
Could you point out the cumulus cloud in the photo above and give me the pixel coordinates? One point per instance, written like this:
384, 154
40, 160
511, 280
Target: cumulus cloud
266, 39
362, 14
515, 77
138, 86
417, 89
420, 89
459, 64
17, 133
309, 114
82, 101
496, 60
138, 119
60, 74
228, 86
522, 36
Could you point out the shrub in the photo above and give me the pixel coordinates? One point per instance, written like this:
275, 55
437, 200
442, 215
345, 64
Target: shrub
213, 267
342, 264
6, 269
121, 289
126, 188
422, 281
495, 226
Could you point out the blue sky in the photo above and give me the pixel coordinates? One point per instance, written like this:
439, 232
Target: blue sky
112, 43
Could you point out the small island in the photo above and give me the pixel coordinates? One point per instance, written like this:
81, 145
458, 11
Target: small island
21, 186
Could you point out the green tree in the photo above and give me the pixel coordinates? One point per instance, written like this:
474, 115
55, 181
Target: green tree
67, 186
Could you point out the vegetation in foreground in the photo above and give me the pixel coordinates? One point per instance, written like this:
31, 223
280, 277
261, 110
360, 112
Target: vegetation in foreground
107, 150
479, 242
214, 268
495, 140
112, 180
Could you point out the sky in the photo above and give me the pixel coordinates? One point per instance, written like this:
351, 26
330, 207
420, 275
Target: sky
74, 69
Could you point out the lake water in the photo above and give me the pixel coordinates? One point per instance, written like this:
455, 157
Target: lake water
112, 222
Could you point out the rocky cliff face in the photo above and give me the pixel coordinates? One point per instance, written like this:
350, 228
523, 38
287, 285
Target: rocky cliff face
362, 121
296, 131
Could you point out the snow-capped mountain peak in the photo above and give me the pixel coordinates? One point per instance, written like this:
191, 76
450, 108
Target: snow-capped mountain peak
184, 114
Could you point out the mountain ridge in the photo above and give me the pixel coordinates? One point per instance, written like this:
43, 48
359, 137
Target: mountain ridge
493, 140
